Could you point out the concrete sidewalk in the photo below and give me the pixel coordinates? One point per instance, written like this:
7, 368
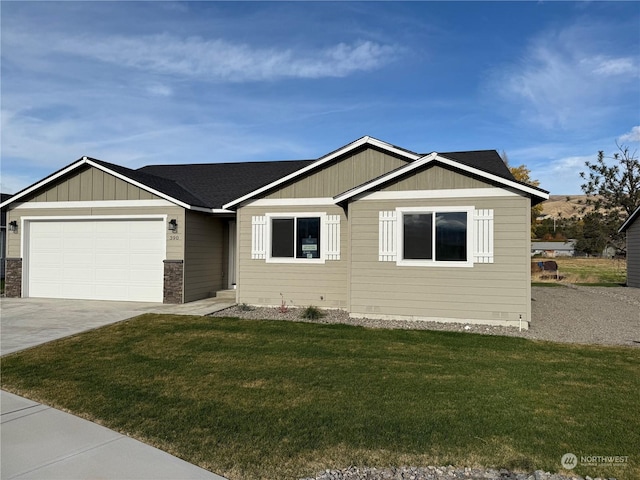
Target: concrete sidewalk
40, 442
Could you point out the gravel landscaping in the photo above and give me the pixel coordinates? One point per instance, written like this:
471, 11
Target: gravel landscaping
571, 314
437, 473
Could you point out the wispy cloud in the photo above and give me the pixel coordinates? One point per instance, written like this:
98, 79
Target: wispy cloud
632, 136
567, 80
215, 59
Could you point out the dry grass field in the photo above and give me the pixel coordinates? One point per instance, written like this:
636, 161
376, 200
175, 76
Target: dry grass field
586, 270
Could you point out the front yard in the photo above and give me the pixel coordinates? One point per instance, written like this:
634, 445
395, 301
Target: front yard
275, 400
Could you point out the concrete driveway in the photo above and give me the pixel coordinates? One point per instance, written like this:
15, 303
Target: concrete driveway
40, 442
27, 322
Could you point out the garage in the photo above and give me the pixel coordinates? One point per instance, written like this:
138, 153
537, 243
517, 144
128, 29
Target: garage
95, 258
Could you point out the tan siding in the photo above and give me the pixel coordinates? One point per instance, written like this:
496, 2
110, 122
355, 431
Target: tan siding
341, 175
97, 188
436, 178
633, 254
261, 283
486, 292
74, 188
175, 247
203, 272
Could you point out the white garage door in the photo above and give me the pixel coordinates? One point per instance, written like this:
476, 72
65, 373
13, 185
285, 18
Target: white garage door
97, 259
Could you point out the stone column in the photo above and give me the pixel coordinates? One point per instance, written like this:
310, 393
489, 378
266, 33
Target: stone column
13, 278
173, 279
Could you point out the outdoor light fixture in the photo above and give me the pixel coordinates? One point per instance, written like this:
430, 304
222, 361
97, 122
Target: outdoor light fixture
173, 225
13, 226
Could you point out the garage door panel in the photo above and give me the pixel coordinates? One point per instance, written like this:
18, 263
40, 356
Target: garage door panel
97, 259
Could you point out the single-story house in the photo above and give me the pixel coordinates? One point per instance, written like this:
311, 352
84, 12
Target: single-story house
3, 232
554, 249
632, 227
371, 228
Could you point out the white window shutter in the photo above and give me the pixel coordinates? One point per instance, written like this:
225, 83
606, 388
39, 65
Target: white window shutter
258, 237
333, 237
388, 249
483, 236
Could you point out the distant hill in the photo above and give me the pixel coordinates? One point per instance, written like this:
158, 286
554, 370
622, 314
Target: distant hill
563, 205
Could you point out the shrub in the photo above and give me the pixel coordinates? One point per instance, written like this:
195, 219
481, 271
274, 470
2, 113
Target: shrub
312, 313
245, 308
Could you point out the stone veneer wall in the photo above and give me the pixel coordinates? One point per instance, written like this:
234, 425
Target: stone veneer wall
13, 278
173, 280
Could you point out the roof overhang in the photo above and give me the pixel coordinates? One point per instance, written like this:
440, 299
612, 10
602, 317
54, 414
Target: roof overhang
374, 142
632, 218
533, 192
88, 161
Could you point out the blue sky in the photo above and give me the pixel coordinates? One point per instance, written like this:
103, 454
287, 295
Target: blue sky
138, 83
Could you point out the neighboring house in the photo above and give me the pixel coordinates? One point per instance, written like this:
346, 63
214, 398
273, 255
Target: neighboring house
371, 228
632, 228
554, 249
3, 232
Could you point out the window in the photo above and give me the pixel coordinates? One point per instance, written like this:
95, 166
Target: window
436, 236
299, 236
295, 237
444, 240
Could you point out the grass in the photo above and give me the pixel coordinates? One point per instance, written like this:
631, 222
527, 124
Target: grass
587, 271
278, 400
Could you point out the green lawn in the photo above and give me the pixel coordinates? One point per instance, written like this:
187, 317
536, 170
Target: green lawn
275, 400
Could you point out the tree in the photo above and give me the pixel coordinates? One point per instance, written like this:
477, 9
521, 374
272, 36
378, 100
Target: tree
613, 183
612, 186
523, 174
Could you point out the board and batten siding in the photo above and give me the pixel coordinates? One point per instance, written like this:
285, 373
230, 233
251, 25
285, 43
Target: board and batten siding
435, 177
486, 292
205, 264
633, 254
341, 175
260, 283
92, 184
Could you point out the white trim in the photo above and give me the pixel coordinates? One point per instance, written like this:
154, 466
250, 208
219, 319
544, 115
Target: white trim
322, 160
137, 184
87, 161
294, 260
452, 163
437, 194
402, 262
416, 318
289, 202
629, 220
39, 184
93, 204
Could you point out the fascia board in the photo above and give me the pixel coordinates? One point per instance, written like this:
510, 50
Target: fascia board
87, 161
44, 182
140, 185
385, 178
321, 161
434, 156
629, 220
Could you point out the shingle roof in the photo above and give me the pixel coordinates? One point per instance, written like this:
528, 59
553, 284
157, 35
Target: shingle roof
219, 183
486, 160
167, 186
